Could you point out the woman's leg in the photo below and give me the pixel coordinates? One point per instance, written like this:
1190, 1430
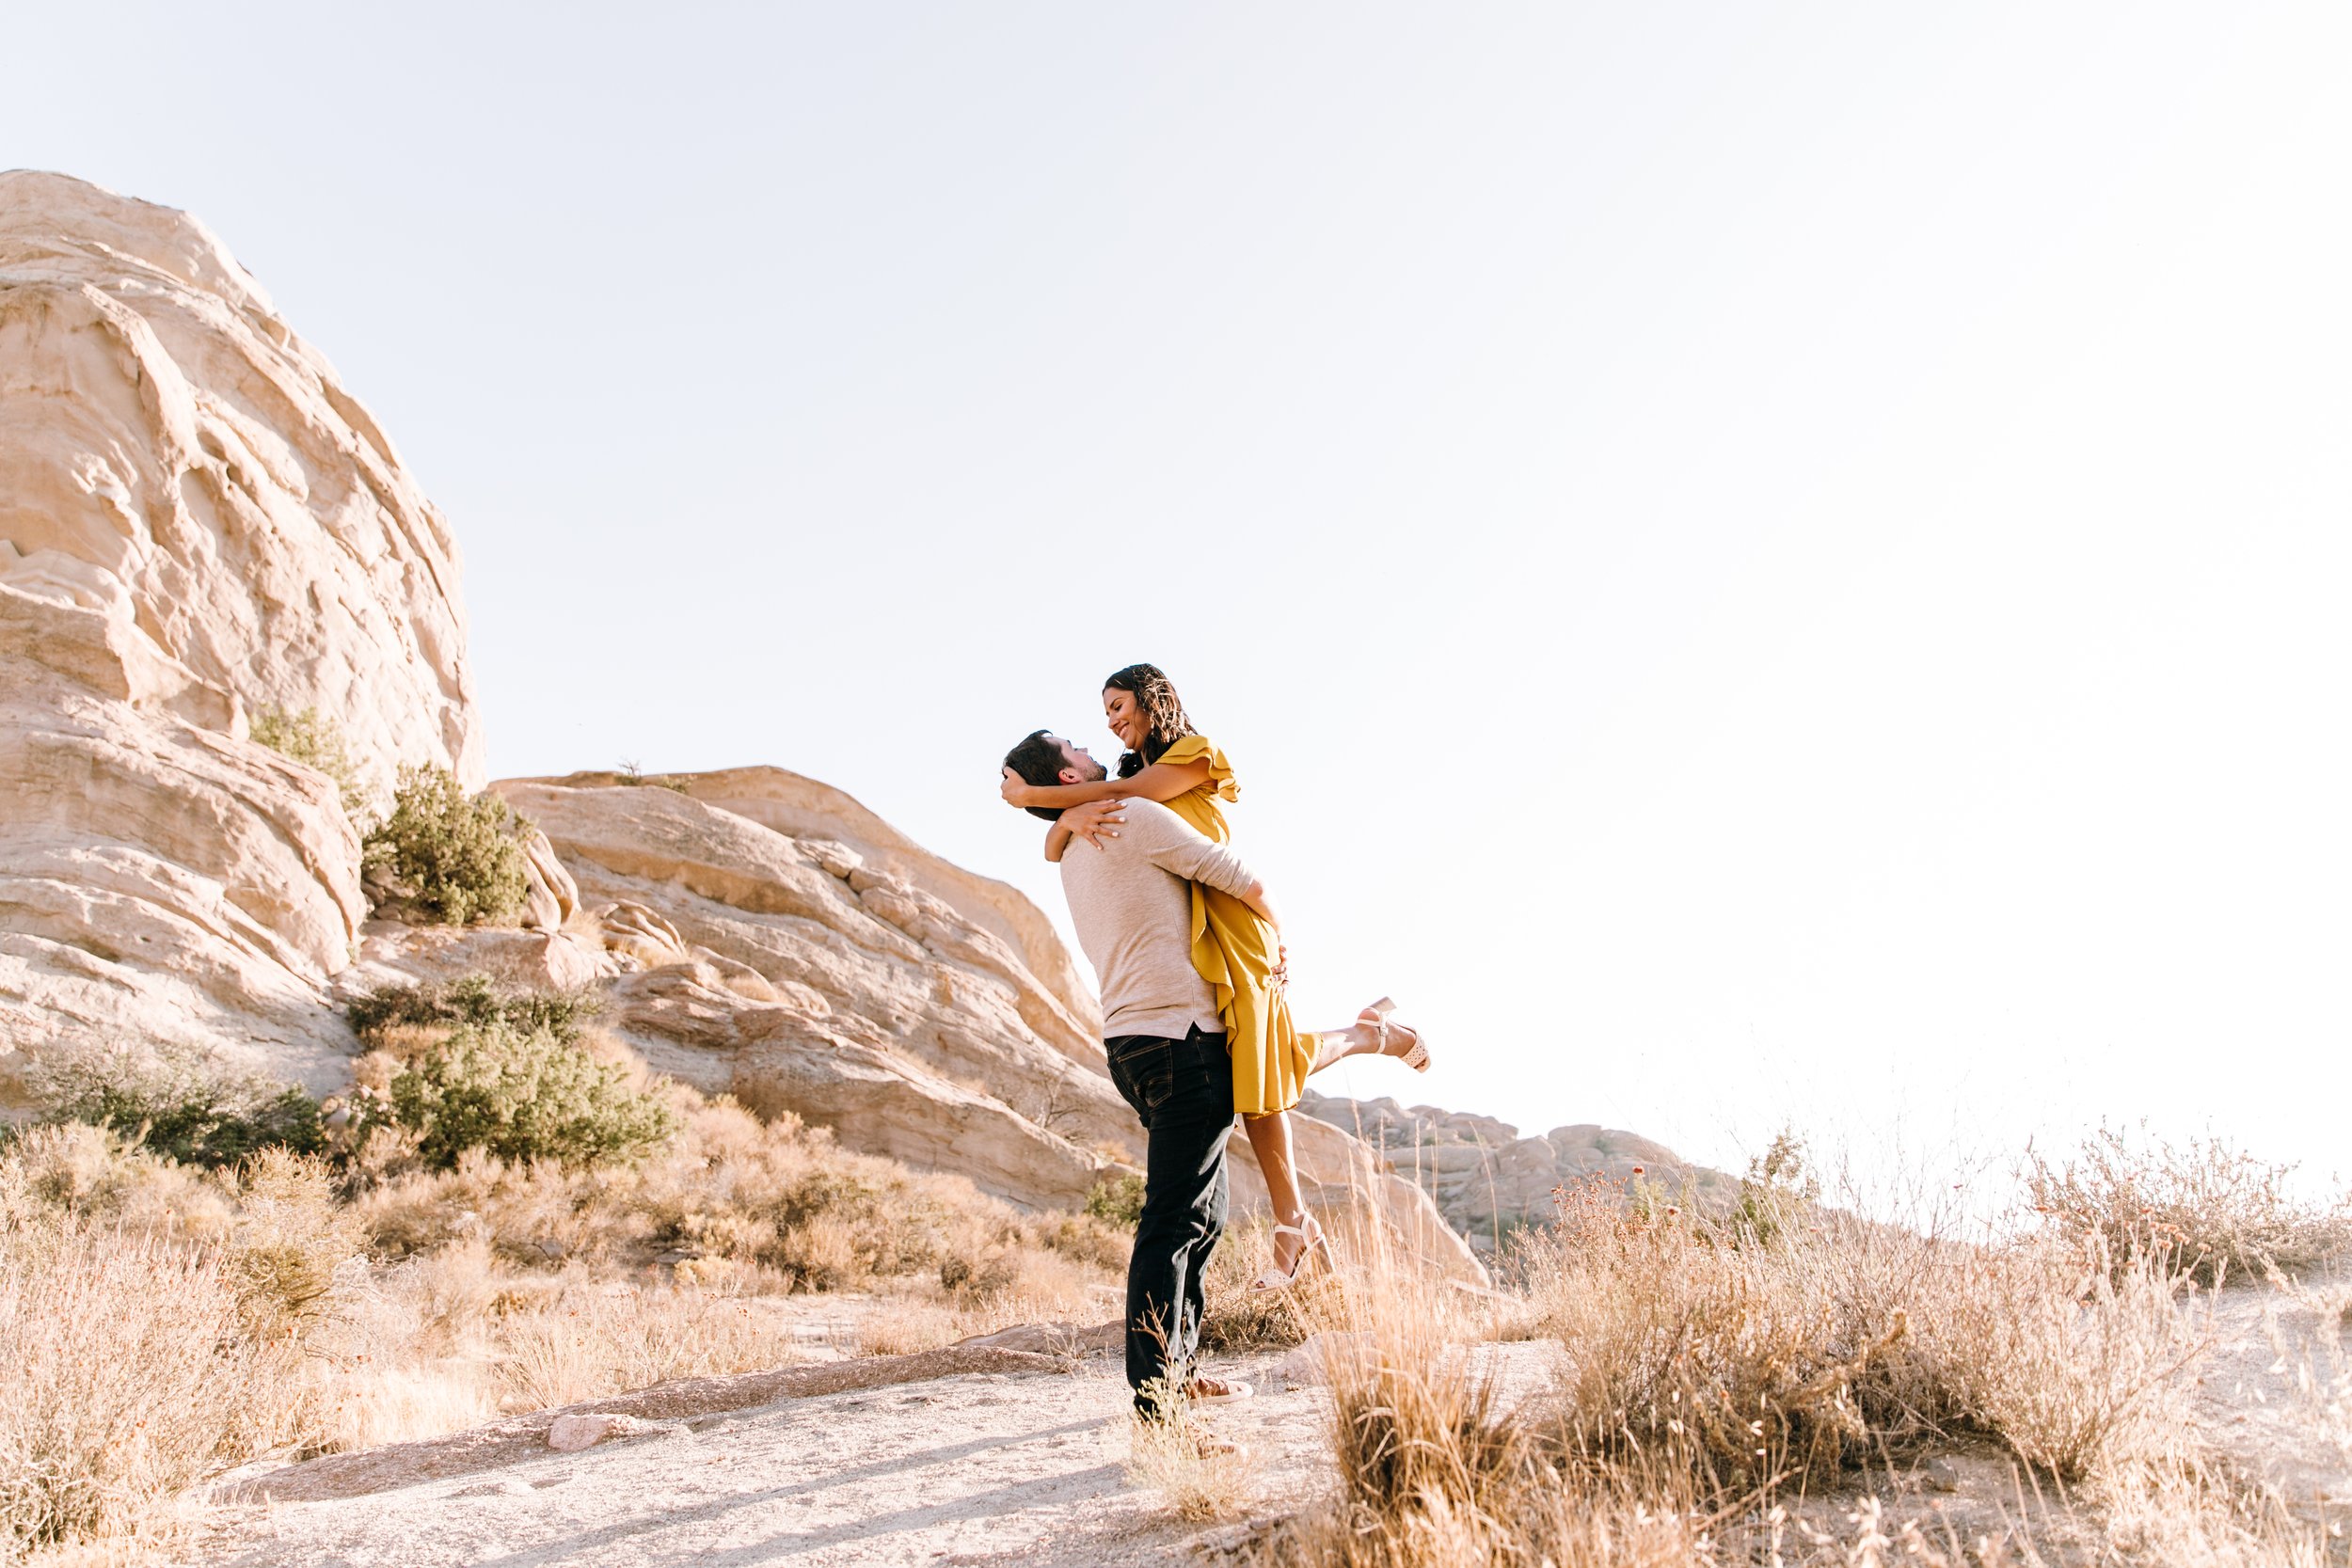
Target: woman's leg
1359, 1039
1270, 1140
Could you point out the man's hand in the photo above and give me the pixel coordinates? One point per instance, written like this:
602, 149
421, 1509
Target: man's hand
1096, 820
1016, 790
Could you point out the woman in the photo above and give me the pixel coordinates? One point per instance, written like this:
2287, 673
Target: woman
1239, 952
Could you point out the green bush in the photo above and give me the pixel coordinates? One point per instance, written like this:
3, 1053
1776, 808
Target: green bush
522, 1095
474, 1000
457, 860
1118, 1201
313, 739
179, 1103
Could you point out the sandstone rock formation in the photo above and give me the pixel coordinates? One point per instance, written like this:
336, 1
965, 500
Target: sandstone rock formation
175, 459
197, 522
1489, 1182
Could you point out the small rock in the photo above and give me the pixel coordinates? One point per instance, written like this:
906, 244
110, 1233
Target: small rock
1939, 1475
571, 1433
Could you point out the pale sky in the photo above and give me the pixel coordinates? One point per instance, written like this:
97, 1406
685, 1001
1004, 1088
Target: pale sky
1759, 564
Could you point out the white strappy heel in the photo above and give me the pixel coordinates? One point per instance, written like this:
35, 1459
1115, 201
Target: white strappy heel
1311, 1241
1417, 1058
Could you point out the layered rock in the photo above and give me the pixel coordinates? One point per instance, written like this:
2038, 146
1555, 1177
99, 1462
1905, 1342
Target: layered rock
173, 455
1489, 1182
197, 522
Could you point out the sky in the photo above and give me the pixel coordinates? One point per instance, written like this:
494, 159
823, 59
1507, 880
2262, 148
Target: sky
1760, 565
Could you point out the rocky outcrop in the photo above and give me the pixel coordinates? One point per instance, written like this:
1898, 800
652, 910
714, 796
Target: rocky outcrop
1489, 1182
173, 456
197, 522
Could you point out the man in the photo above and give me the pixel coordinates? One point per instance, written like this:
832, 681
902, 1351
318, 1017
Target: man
1133, 908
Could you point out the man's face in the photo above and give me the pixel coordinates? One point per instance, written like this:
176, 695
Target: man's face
1077, 766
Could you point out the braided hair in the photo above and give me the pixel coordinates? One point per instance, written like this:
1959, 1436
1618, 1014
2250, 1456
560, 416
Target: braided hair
1165, 720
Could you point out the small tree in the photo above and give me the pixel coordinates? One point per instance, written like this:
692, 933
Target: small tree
455, 859
315, 740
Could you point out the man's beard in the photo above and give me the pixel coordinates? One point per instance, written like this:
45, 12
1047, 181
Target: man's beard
1101, 774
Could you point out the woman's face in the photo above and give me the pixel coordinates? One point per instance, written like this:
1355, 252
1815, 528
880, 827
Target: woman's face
1126, 715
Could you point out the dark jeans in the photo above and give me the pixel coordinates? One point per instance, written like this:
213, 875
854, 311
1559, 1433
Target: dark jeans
1182, 1090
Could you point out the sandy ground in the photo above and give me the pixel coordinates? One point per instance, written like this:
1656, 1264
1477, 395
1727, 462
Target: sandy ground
1030, 1466
970, 1469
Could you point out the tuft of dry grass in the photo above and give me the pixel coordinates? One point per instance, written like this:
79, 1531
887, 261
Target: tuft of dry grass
1198, 1478
2204, 1208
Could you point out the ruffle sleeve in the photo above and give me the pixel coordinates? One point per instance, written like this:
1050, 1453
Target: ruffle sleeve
1199, 747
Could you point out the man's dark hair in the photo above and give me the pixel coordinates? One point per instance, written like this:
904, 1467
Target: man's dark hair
1039, 759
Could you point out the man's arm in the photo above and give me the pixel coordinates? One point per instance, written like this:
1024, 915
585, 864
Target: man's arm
1172, 845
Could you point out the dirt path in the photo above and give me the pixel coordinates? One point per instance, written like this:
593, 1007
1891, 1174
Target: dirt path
965, 1470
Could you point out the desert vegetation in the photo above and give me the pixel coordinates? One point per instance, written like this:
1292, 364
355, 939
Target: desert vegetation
505, 1214
1768, 1386
315, 740
451, 858
200, 1270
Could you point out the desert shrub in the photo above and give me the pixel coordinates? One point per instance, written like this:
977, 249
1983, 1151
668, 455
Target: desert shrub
1088, 1240
1117, 1200
1775, 1195
183, 1104
1849, 1340
315, 740
289, 1239
128, 1377
1703, 1380
475, 1000
522, 1095
455, 859
2207, 1208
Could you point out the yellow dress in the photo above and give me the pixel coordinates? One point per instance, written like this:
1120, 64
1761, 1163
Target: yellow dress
1236, 953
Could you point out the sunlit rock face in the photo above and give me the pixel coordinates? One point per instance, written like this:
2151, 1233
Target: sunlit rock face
197, 522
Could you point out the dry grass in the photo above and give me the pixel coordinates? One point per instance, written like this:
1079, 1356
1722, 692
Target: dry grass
731, 1189
131, 1372
1198, 1477
1720, 1399
2205, 1209
165, 1323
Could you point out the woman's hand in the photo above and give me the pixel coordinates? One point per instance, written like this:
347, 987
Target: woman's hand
1016, 790
1096, 820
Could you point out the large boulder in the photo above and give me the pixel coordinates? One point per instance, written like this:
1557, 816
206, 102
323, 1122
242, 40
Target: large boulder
197, 523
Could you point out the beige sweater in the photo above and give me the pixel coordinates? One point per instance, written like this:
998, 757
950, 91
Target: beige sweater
1132, 903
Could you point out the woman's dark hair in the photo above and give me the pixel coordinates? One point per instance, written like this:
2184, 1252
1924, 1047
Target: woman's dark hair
1165, 720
